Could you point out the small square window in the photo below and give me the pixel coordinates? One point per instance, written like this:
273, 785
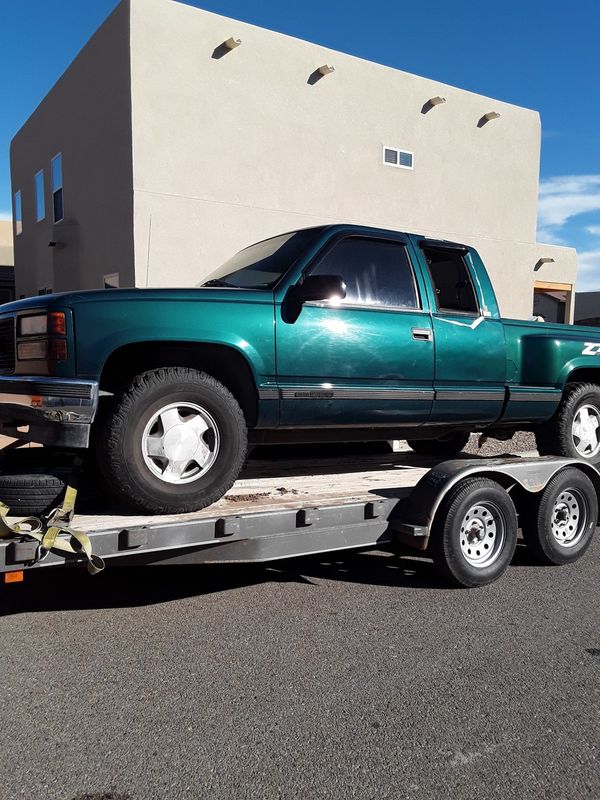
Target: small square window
394, 157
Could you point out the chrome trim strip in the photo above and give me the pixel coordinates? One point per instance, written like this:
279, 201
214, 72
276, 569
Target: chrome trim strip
477, 394
316, 393
268, 394
536, 396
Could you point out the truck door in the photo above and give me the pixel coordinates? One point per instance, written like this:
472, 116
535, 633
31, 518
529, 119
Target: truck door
470, 351
366, 360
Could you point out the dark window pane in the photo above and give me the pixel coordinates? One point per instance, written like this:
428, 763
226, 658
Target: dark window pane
376, 273
57, 200
451, 281
390, 156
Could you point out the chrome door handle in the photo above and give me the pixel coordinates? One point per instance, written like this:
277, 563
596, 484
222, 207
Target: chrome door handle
423, 334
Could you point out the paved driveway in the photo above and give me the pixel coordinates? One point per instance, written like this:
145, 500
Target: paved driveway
357, 677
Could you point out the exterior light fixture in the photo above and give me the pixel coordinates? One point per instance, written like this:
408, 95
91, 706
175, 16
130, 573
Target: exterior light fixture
232, 43
541, 261
436, 101
490, 115
326, 69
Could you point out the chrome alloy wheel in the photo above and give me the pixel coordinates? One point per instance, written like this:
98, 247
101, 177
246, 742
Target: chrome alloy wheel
482, 534
586, 431
569, 517
180, 442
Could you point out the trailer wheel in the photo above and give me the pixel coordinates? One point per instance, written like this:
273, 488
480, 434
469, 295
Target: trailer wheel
559, 527
445, 446
174, 441
475, 533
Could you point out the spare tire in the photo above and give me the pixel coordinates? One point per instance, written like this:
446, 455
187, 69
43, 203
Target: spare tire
33, 479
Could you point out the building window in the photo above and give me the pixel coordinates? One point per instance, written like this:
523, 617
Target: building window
393, 157
40, 203
18, 214
376, 272
57, 188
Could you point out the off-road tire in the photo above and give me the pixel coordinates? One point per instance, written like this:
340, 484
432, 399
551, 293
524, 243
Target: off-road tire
554, 438
444, 447
445, 545
536, 521
119, 441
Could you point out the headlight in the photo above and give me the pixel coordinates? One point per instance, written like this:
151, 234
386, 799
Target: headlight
30, 326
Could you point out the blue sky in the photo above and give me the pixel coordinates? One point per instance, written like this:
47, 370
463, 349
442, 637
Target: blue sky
540, 54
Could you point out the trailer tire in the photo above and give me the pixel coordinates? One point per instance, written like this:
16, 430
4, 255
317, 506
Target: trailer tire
445, 446
474, 534
558, 436
558, 529
32, 494
145, 451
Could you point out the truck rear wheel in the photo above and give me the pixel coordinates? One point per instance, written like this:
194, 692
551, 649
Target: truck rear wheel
174, 441
574, 431
445, 446
558, 529
475, 533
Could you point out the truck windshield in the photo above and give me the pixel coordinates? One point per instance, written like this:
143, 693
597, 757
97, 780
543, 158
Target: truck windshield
261, 265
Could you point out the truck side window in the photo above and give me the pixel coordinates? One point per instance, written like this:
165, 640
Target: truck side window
376, 272
451, 281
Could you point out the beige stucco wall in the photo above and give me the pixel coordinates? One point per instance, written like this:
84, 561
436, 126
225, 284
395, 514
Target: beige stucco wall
227, 151
87, 117
174, 159
6, 243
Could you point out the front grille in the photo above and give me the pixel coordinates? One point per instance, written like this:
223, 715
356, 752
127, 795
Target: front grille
7, 346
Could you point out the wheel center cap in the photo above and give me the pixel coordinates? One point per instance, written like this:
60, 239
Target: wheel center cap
180, 442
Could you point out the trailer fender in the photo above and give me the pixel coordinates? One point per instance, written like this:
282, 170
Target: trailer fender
417, 513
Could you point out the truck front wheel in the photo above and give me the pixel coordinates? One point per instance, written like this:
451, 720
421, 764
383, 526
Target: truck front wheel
174, 441
574, 431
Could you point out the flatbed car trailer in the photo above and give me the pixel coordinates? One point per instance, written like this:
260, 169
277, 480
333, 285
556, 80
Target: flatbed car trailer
465, 513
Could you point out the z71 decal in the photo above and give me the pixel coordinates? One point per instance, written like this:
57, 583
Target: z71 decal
591, 349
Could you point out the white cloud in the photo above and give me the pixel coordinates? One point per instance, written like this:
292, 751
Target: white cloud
588, 274
593, 229
567, 196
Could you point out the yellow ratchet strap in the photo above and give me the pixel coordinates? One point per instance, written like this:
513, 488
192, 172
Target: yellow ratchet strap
54, 532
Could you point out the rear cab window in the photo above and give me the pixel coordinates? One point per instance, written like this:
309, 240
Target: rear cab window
451, 280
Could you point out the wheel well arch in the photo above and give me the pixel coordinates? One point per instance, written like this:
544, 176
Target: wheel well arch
584, 375
223, 362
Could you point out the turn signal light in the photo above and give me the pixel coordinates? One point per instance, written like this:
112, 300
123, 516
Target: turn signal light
14, 577
57, 323
58, 349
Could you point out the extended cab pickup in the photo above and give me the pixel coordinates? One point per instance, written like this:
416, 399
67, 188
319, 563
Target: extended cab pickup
330, 333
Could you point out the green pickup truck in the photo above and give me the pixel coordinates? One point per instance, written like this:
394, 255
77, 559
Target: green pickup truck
331, 333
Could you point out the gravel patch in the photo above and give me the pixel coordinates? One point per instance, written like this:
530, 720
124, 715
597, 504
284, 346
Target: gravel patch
521, 442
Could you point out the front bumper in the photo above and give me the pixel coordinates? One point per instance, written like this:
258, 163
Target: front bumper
57, 411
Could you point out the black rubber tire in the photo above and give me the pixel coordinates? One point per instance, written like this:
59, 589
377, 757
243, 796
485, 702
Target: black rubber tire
119, 450
536, 522
554, 438
33, 493
444, 447
446, 533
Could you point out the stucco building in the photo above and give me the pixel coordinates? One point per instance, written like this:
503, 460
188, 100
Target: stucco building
177, 137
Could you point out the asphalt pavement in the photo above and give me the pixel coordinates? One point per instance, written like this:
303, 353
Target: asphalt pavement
354, 676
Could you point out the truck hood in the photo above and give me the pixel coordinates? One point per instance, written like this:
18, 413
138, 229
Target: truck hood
69, 299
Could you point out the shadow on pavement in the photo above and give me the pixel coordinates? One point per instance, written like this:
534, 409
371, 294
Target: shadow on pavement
61, 589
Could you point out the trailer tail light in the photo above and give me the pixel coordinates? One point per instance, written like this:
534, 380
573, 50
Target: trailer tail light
14, 577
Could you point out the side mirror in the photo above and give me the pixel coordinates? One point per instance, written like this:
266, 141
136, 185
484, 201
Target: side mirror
320, 287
